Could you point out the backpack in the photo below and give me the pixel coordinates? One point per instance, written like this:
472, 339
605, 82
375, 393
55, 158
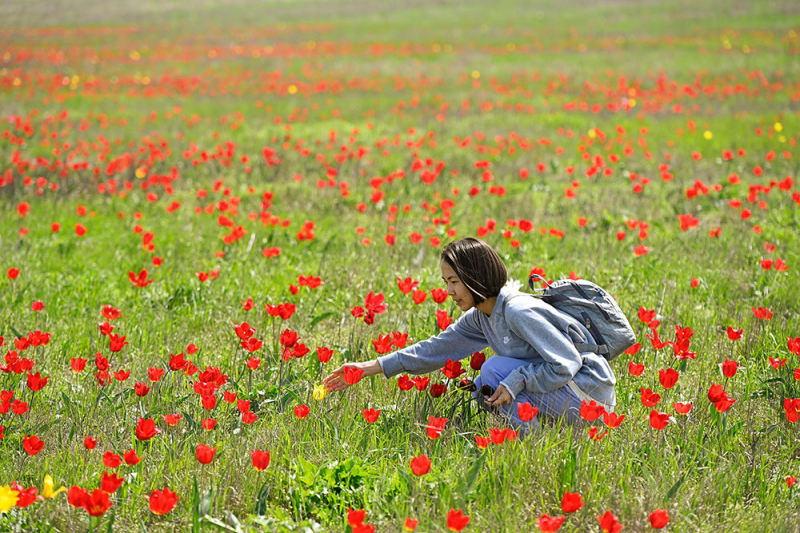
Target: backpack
594, 308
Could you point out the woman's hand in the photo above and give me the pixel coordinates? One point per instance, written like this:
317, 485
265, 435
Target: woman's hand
335, 381
501, 396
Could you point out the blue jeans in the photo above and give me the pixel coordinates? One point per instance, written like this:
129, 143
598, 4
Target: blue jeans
561, 403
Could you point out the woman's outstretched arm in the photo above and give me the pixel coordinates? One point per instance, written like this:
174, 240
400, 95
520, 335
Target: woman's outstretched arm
336, 382
458, 341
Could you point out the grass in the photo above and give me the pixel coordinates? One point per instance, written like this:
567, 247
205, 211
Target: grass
168, 82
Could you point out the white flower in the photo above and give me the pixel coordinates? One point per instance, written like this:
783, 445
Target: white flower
513, 284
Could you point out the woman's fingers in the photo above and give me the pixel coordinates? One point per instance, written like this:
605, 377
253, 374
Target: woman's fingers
335, 381
500, 397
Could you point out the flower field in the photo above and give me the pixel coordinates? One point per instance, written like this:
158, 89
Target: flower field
207, 207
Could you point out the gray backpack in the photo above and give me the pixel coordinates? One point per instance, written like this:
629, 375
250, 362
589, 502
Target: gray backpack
594, 308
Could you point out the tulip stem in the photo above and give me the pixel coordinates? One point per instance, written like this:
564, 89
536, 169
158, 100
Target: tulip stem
280, 385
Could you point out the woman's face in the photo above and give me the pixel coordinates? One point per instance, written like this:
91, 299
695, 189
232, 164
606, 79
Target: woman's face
457, 290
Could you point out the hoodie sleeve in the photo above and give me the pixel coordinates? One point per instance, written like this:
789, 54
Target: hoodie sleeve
458, 341
560, 361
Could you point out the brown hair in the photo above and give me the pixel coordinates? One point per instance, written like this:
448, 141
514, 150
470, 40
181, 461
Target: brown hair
478, 267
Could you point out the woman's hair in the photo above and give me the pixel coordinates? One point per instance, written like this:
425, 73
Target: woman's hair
478, 267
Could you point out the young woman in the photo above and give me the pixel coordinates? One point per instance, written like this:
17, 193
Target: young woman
536, 360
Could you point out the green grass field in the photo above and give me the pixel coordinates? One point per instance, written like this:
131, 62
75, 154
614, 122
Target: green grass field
240, 150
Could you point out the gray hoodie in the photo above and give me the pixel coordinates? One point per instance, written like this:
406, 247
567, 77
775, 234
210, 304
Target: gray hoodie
521, 327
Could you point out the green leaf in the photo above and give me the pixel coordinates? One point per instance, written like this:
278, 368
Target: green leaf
317, 319
261, 501
219, 524
195, 506
678, 484
472, 474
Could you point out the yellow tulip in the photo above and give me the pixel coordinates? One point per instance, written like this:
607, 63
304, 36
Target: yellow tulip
47, 489
8, 498
319, 392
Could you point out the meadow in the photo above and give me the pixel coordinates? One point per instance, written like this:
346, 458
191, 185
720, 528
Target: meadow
208, 206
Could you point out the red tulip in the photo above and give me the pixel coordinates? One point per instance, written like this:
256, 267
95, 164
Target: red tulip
794, 345
288, 338
571, 502
205, 454
209, 401
526, 411
439, 295
734, 334
36, 382
111, 482
77, 497
419, 296
111, 459
456, 520
352, 374
420, 465
481, 442
762, 313
260, 459
682, 408
116, 343
443, 320
105, 328
371, 415
25, 496
609, 523
110, 312
611, 420
421, 382
729, 368
131, 458
659, 518
301, 411
650, 398
438, 389
476, 360
89, 443
244, 331
594, 433
646, 316
140, 280
407, 285
591, 411
497, 435
98, 503
146, 429
77, 364
162, 501
435, 426
668, 377
633, 350
635, 369
32, 445
405, 383
141, 389
658, 420
548, 524
324, 354
716, 393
